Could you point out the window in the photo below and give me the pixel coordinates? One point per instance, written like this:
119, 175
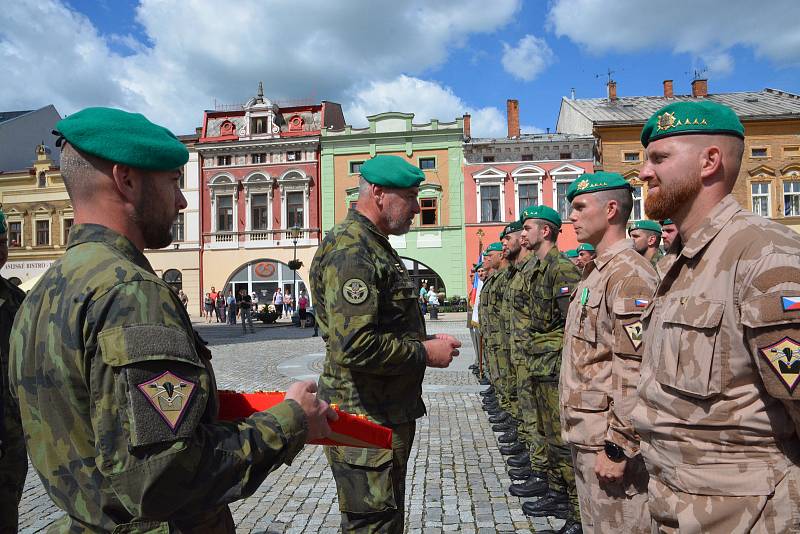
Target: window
565, 155
632, 156
488, 159
758, 152
259, 212
427, 164
791, 151
527, 157
636, 212
258, 125
294, 155
428, 211
42, 180
355, 167
760, 195
67, 227
563, 205
528, 196
490, 203
294, 209
223, 160
42, 233
15, 234
177, 228
791, 198
225, 213
258, 158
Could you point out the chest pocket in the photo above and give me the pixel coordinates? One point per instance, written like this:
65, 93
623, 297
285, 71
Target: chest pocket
582, 323
691, 359
403, 307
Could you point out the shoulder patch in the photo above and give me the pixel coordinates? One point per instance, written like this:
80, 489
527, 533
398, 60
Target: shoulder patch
170, 395
775, 276
634, 332
355, 291
784, 358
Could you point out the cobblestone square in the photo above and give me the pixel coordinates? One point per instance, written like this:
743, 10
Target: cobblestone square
457, 479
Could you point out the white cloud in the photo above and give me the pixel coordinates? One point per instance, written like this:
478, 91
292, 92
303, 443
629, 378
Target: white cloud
707, 29
196, 53
427, 100
719, 64
526, 60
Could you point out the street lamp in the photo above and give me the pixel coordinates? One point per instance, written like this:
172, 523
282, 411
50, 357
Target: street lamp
294, 233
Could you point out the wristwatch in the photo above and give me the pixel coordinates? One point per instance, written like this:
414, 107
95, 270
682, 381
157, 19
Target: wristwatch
614, 452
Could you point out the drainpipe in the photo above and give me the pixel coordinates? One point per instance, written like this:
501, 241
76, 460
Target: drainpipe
201, 188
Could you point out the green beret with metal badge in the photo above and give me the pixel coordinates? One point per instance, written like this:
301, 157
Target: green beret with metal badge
585, 246
510, 228
391, 171
666, 222
545, 213
594, 182
494, 247
572, 253
121, 137
692, 117
645, 224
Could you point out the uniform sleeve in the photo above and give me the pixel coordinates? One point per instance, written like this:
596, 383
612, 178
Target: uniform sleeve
770, 314
567, 279
355, 340
155, 435
627, 299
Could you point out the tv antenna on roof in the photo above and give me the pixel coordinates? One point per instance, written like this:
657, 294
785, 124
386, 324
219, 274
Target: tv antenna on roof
608, 74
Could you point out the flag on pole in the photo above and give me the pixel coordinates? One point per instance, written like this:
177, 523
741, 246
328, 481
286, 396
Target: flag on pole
473, 292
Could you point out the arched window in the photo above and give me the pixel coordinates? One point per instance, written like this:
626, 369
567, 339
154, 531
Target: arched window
174, 279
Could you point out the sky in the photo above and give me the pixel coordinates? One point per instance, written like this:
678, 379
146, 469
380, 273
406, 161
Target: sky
173, 59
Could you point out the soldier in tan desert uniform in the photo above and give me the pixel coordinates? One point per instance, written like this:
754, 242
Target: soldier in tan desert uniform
602, 353
718, 403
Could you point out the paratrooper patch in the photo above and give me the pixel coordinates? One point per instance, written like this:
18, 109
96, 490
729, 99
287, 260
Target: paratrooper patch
170, 395
634, 331
355, 291
784, 358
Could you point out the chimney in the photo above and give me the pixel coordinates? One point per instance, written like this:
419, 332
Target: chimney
699, 88
668, 89
512, 108
467, 133
612, 91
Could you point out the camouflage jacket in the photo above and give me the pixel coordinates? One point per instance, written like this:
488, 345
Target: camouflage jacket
656, 258
503, 316
603, 349
718, 410
520, 298
483, 307
494, 309
369, 318
119, 403
551, 282
10, 299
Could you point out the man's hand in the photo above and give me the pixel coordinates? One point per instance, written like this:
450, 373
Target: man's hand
441, 349
607, 470
317, 411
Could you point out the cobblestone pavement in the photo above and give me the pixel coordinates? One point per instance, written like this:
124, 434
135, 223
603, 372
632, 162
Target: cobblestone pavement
457, 477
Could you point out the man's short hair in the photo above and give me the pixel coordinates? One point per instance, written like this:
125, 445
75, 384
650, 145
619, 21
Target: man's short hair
624, 201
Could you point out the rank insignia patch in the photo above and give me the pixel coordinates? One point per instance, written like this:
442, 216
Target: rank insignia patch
355, 291
784, 358
170, 395
790, 303
634, 331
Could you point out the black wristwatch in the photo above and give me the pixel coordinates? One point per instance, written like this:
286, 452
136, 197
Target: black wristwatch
614, 452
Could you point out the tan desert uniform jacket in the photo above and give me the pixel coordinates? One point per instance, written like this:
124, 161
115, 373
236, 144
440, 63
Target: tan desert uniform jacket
718, 409
603, 340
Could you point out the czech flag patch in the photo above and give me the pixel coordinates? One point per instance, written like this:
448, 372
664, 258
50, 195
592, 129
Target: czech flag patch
790, 303
564, 290
641, 303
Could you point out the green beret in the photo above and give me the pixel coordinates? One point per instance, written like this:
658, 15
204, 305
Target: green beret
572, 253
510, 228
599, 181
122, 137
478, 265
666, 222
541, 212
692, 117
391, 171
494, 247
645, 224
3, 225
585, 246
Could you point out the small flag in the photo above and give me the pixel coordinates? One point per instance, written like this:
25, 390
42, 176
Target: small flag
641, 303
564, 290
790, 303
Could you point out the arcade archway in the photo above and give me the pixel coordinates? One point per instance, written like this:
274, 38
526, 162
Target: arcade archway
421, 273
263, 276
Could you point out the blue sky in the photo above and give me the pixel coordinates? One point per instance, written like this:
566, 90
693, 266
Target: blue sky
172, 58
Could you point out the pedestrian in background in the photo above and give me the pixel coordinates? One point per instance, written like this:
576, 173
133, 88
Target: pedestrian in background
423, 297
232, 307
208, 306
246, 311
184, 299
302, 304
288, 304
277, 301
220, 305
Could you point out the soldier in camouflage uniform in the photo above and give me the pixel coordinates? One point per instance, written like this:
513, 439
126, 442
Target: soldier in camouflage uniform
600, 367
550, 283
116, 391
495, 343
646, 236
492, 257
376, 345
718, 412
13, 460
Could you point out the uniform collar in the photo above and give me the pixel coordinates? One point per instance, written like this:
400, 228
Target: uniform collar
95, 233
356, 216
602, 259
717, 219
551, 257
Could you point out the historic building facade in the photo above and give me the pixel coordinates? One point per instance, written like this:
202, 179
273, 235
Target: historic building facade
259, 179
503, 176
769, 179
434, 249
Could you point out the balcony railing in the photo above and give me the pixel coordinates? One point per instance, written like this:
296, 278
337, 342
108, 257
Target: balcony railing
276, 237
